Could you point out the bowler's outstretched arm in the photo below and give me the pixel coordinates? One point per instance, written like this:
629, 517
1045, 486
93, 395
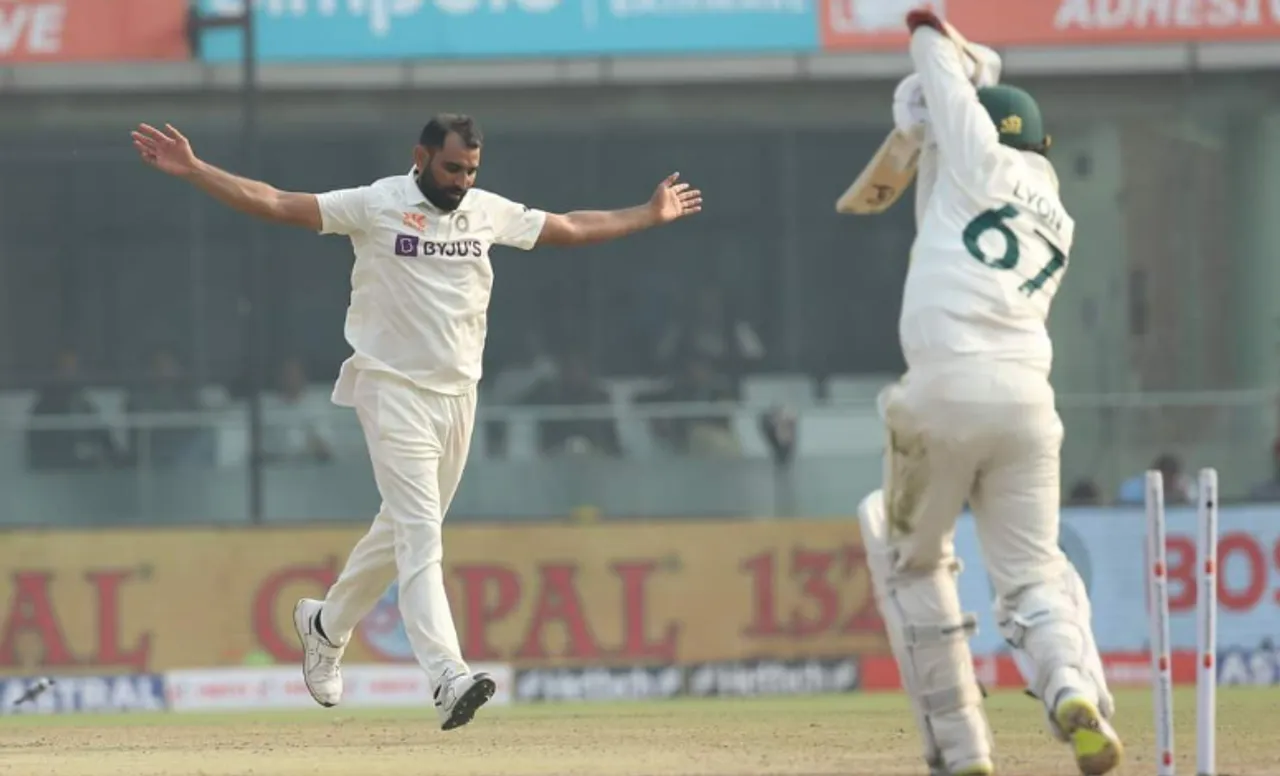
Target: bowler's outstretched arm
670, 201
256, 198
169, 151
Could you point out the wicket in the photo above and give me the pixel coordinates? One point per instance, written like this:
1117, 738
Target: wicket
1206, 621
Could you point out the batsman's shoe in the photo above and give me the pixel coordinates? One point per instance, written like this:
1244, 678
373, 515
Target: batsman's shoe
983, 768
321, 660
459, 696
977, 769
1096, 745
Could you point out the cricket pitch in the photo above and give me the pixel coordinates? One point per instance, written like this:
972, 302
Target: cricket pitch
845, 734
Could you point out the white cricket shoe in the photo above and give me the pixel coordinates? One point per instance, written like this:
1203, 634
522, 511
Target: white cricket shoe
1097, 747
459, 696
321, 668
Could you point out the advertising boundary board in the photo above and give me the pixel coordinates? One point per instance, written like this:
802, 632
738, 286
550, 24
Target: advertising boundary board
558, 596
534, 596
312, 31
869, 25
269, 688
1108, 548
93, 31
723, 679
622, 34
317, 32
85, 694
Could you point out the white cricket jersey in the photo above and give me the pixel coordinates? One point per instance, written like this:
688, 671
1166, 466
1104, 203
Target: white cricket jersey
422, 279
994, 237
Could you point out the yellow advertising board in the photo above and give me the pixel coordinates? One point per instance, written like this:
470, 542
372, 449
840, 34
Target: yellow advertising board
535, 596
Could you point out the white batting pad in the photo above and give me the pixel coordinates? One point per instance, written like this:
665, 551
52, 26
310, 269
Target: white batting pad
929, 637
1048, 625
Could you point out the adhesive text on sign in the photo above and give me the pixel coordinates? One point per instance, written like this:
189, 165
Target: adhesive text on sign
878, 24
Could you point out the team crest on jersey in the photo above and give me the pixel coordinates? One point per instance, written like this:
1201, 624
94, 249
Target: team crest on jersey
416, 221
462, 223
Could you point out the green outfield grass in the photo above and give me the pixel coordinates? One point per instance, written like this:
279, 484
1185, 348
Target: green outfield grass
846, 734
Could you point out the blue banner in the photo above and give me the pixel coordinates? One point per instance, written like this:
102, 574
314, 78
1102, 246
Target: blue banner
86, 694
1108, 547
329, 30
1258, 667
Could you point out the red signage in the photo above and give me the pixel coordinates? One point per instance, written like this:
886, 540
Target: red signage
1252, 559
92, 31
1000, 671
880, 24
541, 596
31, 621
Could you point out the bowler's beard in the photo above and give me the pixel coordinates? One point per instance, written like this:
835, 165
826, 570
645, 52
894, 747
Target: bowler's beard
445, 199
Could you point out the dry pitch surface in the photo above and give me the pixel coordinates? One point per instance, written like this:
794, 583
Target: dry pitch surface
850, 734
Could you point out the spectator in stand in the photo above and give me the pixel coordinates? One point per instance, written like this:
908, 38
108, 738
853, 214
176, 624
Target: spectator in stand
1269, 489
168, 391
1084, 493
722, 341
512, 382
1178, 487
709, 435
532, 366
297, 422
88, 447
574, 386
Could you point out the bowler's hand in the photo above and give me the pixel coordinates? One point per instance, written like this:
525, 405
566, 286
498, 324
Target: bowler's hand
167, 151
924, 17
672, 200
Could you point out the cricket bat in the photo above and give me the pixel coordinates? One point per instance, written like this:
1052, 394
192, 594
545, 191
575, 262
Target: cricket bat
893, 167
888, 174
962, 44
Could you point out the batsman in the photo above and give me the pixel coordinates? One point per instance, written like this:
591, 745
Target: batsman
973, 421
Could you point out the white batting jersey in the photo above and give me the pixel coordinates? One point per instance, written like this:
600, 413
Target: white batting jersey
994, 236
422, 279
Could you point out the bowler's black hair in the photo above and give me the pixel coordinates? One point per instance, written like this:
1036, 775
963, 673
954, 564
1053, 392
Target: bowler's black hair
460, 124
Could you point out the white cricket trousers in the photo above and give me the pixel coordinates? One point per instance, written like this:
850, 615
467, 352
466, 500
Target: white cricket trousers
989, 436
418, 442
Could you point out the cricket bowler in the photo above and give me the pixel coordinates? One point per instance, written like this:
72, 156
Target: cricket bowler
416, 324
973, 420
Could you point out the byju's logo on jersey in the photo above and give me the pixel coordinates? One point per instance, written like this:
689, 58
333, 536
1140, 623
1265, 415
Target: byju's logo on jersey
407, 244
412, 245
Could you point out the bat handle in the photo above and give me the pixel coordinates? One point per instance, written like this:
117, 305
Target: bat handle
965, 49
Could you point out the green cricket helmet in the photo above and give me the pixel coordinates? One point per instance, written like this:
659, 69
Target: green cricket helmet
1016, 115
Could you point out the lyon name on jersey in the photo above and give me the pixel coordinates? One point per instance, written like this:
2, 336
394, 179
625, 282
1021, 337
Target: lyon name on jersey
422, 279
994, 239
